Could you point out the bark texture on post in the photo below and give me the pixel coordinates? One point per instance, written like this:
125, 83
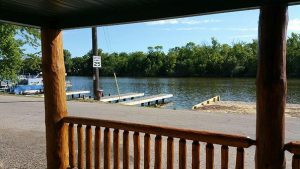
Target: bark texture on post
271, 86
55, 98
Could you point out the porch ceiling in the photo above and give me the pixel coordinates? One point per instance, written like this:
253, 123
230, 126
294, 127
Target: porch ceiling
82, 13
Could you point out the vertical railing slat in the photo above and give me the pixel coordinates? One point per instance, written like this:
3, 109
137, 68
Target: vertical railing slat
125, 150
116, 149
182, 154
80, 147
106, 148
158, 152
170, 153
239, 158
72, 157
97, 147
296, 161
224, 157
89, 145
137, 153
147, 151
209, 156
195, 155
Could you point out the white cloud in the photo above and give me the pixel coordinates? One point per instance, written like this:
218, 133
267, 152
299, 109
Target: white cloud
194, 28
245, 36
190, 28
242, 29
183, 22
193, 21
163, 22
294, 25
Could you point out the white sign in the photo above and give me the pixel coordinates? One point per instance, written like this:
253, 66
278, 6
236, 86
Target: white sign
97, 61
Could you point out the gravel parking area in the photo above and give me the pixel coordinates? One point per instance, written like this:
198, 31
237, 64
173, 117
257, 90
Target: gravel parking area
22, 129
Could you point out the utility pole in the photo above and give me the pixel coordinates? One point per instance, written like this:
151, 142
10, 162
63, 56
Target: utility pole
95, 69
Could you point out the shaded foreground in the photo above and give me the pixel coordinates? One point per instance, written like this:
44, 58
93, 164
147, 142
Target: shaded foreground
22, 129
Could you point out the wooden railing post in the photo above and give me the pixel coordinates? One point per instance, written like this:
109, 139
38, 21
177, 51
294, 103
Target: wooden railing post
271, 85
55, 99
158, 152
125, 150
224, 157
89, 146
170, 153
116, 149
195, 155
296, 162
72, 147
209, 156
147, 149
97, 147
136, 151
182, 154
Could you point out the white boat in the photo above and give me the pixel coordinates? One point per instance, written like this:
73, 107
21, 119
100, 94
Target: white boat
29, 84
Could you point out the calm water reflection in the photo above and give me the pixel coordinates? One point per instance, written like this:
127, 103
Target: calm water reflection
186, 91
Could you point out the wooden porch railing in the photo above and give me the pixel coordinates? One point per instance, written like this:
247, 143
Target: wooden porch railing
294, 148
225, 140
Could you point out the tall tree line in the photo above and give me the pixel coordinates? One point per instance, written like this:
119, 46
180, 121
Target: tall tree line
191, 60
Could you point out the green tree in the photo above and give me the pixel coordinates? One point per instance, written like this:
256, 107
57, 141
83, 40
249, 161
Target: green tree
32, 64
293, 55
68, 61
137, 63
154, 61
12, 38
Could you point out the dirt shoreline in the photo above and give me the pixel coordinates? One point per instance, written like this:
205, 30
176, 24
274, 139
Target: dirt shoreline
239, 107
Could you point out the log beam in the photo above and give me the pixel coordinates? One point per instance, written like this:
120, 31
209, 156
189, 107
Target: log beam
55, 99
271, 86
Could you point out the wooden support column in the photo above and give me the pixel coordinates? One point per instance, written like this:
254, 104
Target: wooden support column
271, 85
55, 99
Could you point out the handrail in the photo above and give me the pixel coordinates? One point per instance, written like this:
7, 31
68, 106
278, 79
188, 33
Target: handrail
293, 147
202, 136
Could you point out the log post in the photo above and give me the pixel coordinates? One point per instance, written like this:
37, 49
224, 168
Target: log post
271, 85
55, 98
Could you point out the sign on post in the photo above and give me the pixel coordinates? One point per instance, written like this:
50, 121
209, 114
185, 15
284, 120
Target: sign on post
97, 61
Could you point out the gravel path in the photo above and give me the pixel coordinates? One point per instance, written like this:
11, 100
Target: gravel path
22, 131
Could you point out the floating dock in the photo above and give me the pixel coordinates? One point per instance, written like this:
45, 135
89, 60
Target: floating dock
206, 102
147, 99
73, 93
121, 97
79, 92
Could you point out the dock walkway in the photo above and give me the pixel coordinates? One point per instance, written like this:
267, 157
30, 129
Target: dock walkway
147, 99
121, 97
69, 93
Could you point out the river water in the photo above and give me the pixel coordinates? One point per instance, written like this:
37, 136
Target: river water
187, 91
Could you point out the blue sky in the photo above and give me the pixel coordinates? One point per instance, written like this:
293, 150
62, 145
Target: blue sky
226, 27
